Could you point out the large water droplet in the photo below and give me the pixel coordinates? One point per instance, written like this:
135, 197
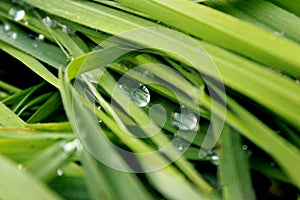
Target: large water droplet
184, 121
140, 96
12, 34
16, 14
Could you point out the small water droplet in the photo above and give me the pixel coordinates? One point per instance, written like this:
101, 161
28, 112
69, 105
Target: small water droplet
26, 23
16, 14
66, 29
272, 164
41, 37
279, 33
35, 45
184, 121
20, 167
49, 22
140, 96
59, 172
213, 157
180, 143
244, 147
12, 34
6, 27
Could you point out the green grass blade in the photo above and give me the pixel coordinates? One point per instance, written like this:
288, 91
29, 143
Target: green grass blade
284, 22
50, 106
8, 118
8, 87
291, 5
234, 170
31, 63
96, 182
43, 51
93, 15
15, 185
224, 30
45, 164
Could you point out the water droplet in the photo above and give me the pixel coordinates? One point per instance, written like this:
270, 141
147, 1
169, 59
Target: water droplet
59, 172
272, 164
6, 27
16, 14
279, 33
20, 167
67, 29
244, 147
184, 121
213, 157
49, 22
12, 35
140, 96
180, 143
26, 23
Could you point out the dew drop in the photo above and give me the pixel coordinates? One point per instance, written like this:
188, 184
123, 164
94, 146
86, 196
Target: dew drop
6, 27
180, 144
16, 14
279, 33
184, 121
213, 157
59, 172
49, 22
272, 164
245, 147
140, 96
20, 167
12, 34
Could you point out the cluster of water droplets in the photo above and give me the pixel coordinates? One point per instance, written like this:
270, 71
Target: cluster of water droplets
6, 28
51, 23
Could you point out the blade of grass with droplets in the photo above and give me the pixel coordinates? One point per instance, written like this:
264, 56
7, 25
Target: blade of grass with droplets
166, 180
102, 145
283, 152
233, 169
282, 112
27, 186
9, 118
43, 51
93, 15
224, 30
31, 63
284, 22
45, 164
